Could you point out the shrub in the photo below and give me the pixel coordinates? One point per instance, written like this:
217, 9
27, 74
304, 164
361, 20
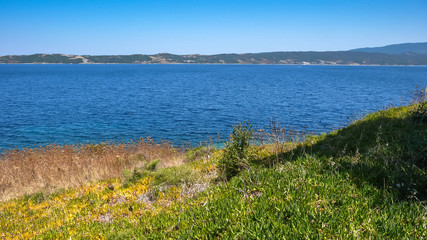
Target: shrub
198, 152
152, 166
138, 173
175, 175
419, 99
419, 114
236, 154
169, 176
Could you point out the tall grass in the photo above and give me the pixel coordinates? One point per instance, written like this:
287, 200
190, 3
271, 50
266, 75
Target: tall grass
52, 167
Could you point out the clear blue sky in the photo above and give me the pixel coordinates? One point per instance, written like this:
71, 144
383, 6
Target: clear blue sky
206, 27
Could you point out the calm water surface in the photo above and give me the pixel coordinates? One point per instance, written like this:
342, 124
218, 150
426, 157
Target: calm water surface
63, 104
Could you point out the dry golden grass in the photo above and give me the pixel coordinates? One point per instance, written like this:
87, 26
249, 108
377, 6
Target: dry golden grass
48, 168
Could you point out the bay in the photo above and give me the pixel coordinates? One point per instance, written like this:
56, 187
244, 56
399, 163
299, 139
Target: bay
68, 104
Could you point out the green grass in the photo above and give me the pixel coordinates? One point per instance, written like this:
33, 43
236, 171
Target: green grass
368, 180
387, 149
298, 200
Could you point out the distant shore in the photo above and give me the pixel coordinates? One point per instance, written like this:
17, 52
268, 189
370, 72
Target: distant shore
232, 64
347, 58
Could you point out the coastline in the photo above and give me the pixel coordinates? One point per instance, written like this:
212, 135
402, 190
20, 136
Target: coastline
233, 64
322, 58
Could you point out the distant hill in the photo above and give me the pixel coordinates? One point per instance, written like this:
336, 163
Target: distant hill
351, 57
418, 48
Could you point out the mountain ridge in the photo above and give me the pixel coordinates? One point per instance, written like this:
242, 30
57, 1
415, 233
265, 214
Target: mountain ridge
411, 55
401, 48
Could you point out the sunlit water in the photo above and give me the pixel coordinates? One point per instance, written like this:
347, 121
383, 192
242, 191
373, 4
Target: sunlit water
67, 104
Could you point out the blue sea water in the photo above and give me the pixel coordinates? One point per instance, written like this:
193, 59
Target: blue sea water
67, 104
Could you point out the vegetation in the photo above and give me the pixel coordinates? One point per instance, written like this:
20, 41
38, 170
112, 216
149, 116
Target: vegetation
367, 180
338, 57
199, 152
40, 58
49, 168
135, 58
236, 156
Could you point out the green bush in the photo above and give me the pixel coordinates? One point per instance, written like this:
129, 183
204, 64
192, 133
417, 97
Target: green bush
198, 152
169, 176
152, 166
419, 114
138, 173
175, 175
236, 154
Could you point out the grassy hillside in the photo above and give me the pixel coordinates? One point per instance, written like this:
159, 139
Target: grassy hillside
367, 180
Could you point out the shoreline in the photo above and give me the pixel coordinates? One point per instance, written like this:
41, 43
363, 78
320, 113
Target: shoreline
233, 64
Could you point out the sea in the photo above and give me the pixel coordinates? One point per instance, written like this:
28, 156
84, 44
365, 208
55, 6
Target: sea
188, 104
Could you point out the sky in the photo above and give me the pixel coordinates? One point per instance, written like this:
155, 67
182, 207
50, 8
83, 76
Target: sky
100, 27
